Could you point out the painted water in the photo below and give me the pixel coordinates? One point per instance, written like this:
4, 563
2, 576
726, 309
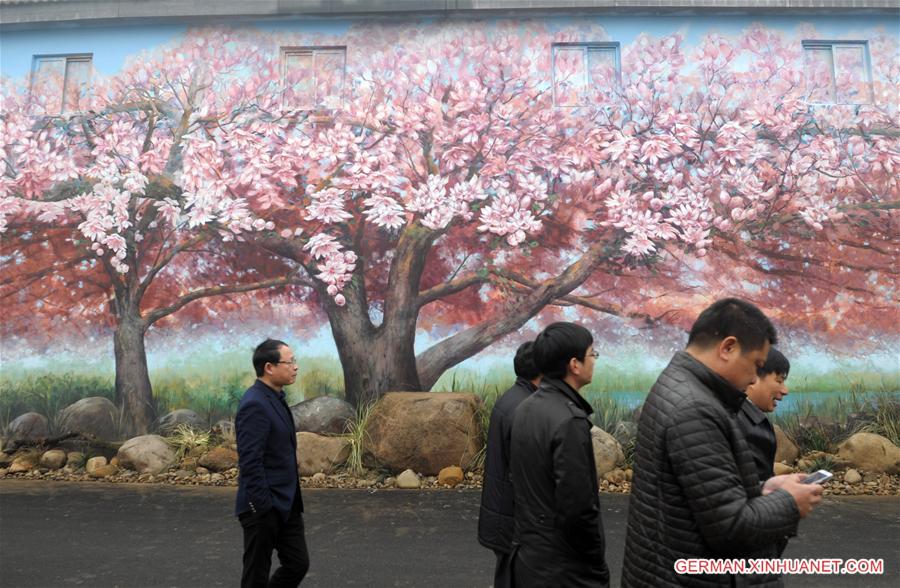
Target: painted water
799, 401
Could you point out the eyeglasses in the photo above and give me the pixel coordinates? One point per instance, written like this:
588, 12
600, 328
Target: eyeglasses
292, 362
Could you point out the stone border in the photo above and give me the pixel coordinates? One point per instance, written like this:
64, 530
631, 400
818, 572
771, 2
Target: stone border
871, 484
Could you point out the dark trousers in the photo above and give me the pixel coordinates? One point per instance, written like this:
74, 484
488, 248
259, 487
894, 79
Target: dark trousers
262, 534
503, 572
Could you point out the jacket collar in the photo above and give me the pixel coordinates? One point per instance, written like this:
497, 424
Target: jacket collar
752, 412
559, 386
728, 394
525, 383
277, 400
265, 387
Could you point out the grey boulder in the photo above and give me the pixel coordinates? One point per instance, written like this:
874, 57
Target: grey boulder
608, 453
147, 454
29, 427
183, 416
322, 415
93, 416
53, 459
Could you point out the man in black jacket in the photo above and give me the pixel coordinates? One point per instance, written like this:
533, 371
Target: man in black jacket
763, 397
495, 520
269, 505
558, 527
696, 492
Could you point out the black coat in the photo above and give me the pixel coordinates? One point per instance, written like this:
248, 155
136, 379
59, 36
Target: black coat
495, 518
696, 492
559, 529
267, 453
760, 438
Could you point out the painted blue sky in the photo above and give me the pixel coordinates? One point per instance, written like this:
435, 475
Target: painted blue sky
111, 46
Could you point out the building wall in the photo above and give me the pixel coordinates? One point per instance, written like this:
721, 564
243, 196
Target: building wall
112, 44
414, 51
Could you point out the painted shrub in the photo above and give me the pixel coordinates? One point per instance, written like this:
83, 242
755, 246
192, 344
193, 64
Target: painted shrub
461, 175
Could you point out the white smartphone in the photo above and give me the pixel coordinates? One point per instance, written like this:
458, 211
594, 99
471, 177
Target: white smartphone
819, 477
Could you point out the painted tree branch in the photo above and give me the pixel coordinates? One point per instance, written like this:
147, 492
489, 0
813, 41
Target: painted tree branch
435, 360
571, 299
154, 315
165, 259
454, 286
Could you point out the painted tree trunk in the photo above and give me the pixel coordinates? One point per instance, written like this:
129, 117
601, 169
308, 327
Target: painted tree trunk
134, 395
374, 360
370, 372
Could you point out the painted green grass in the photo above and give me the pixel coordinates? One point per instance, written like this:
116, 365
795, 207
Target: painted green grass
48, 394
627, 376
863, 402
844, 380
823, 425
498, 378
212, 387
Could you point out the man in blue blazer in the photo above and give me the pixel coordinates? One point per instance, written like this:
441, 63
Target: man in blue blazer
269, 506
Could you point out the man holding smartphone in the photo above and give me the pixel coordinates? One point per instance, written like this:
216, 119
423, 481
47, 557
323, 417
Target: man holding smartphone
696, 493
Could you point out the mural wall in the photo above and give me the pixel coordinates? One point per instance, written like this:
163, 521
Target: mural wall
424, 192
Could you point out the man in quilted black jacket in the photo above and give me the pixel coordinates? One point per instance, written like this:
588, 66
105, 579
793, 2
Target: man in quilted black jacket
696, 492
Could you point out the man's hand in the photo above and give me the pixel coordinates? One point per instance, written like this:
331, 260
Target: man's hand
776, 482
805, 495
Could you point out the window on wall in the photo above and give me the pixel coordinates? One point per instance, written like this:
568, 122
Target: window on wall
61, 83
582, 72
313, 77
837, 72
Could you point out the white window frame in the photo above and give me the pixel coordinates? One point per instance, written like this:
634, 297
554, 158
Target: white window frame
287, 51
816, 44
36, 60
613, 46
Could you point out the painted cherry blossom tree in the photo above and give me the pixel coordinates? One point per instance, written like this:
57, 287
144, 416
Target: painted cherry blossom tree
782, 199
105, 219
463, 178
449, 192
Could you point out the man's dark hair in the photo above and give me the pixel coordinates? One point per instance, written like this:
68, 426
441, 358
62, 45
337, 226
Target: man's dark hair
776, 363
524, 362
733, 317
557, 344
269, 351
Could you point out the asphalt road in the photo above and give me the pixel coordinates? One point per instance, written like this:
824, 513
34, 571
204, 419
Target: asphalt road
141, 536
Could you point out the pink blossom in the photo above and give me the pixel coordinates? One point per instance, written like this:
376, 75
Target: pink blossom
620, 148
638, 245
328, 207
505, 217
429, 195
322, 245
467, 192
655, 149
384, 211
